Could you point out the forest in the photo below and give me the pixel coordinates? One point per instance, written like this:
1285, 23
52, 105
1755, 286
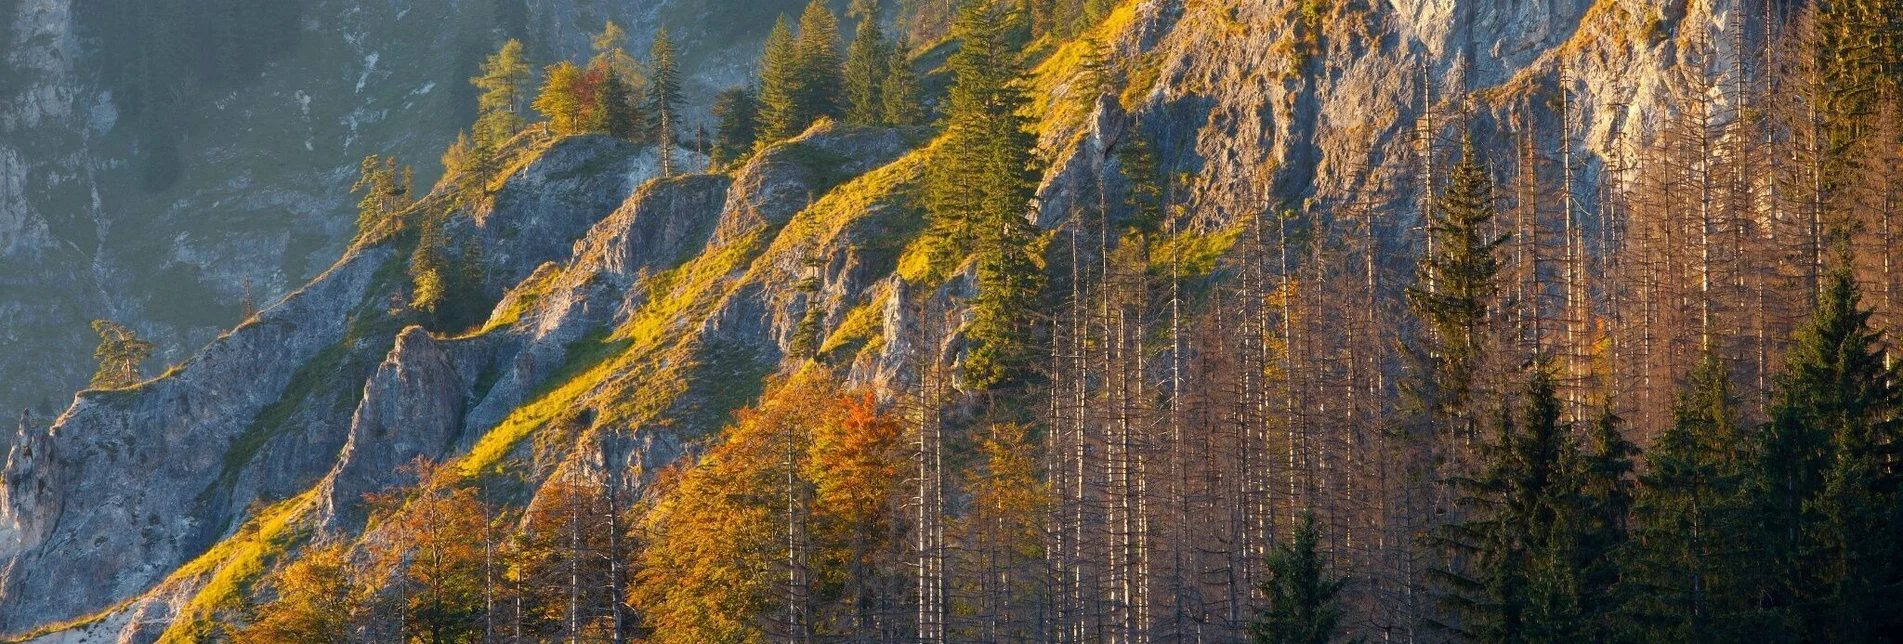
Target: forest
1507, 394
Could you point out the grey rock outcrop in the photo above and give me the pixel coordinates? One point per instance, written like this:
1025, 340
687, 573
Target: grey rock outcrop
149, 476
412, 408
117, 493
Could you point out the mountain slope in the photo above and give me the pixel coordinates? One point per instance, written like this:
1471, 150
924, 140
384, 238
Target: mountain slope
638, 314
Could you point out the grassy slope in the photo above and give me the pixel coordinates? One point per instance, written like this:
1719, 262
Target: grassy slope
656, 370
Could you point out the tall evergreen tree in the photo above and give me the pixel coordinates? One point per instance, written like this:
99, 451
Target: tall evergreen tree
1607, 487
979, 194
505, 87
664, 97
616, 107
737, 113
867, 63
821, 79
1302, 604
901, 99
1679, 580
781, 110
1523, 533
386, 192
1456, 286
1826, 474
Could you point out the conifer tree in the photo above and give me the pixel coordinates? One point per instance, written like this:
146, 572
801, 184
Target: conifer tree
1523, 534
821, 81
611, 51
119, 355
1825, 473
979, 194
1302, 604
386, 191
781, 107
867, 63
617, 108
1456, 287
1607, 490
901, 99
1678, 574
737, 112
664, 97
505, 85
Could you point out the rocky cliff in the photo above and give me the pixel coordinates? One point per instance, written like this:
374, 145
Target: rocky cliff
158, 212
633, 314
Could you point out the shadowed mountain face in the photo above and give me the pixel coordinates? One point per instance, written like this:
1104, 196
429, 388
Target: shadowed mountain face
618, 318
159, 159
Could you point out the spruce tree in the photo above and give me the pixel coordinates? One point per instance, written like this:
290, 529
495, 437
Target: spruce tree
1523, 533
979, 195
780, 101
1607, 489
737, 113
1678, 575
505, 85
615, 107
901, 99
1826, 476
664, 96
820, 76
867, 63
1456, 286
1302, 597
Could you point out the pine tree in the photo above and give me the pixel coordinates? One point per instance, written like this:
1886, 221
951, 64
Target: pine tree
781, 107
901, 99
1138, 166
737, 112
1302, 605
978, 195
119, 355
505, 85
820, 77
867, 63
1679, 580
386, 192
664, 96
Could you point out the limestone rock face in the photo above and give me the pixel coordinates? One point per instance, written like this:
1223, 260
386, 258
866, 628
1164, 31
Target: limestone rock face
128, 484
158, 221
633, 314
124, 485
412, 408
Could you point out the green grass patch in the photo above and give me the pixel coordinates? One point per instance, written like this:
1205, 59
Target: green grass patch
863, 328
235, 565
1191, 254
587, 363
